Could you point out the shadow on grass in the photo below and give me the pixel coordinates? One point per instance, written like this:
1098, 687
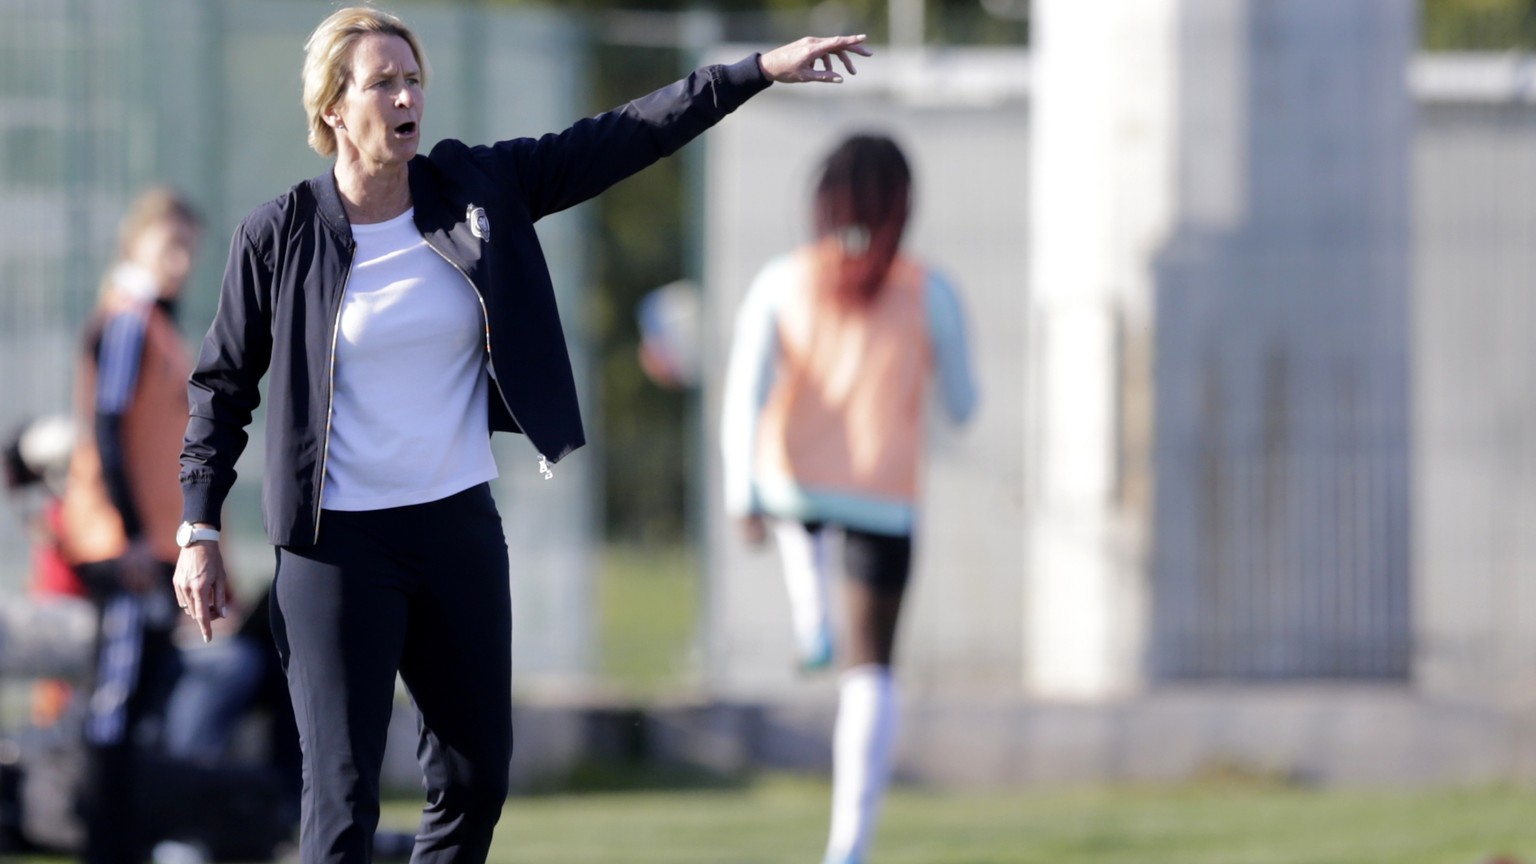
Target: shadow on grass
656, 748
639, 775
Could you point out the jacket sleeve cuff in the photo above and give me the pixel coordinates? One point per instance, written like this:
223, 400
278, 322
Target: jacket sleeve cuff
198, 504
747, 74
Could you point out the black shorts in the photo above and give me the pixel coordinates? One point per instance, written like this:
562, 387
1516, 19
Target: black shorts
881, 561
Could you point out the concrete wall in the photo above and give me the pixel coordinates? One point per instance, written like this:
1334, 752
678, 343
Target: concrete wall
1344, 233
1210, 366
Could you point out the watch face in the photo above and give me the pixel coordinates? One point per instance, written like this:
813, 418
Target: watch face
183, 534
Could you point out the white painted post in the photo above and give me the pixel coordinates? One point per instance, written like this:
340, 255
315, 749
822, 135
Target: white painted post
1101, 177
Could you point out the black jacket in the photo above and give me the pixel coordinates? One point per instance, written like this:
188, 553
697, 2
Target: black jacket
290, 258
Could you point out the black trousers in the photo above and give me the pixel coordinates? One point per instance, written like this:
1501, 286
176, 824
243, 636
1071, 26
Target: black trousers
422, 590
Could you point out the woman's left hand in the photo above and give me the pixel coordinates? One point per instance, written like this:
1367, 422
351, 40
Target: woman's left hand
202, 588
796, 62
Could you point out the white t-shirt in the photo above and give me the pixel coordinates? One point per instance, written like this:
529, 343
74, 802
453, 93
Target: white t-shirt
408, 417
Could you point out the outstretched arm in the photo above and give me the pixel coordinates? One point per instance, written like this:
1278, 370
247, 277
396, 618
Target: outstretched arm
560, 170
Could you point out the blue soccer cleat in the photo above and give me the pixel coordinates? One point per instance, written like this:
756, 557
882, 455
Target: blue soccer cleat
818, 656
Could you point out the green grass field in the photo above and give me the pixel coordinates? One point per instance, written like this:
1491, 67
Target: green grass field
648, 603
649, 600
782, 820
648, 606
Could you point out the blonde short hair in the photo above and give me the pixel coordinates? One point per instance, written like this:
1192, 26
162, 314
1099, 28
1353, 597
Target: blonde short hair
328, 58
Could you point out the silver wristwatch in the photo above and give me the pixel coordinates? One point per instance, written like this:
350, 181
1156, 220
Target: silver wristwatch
187, 534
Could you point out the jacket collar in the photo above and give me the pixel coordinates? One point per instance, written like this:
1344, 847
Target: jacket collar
328, 202
436, 216
334, 213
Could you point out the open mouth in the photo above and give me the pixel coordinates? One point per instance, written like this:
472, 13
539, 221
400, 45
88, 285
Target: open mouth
408, 128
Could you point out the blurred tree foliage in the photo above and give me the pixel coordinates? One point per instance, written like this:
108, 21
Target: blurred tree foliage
644, 429
1478, 25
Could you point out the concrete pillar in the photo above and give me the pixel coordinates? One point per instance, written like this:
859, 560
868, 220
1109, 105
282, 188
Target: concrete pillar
1101, 176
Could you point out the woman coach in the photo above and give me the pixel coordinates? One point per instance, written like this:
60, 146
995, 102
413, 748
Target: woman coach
401, 307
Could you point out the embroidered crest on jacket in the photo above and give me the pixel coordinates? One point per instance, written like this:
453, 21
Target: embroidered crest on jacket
479, 223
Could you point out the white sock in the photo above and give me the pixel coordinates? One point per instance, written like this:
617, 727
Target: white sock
805, 574
861, 759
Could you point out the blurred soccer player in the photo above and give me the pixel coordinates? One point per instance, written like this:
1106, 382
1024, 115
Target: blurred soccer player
834, 348
121, 502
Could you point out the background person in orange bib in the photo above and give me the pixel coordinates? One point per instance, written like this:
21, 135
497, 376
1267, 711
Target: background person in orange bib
834, 348
121, 501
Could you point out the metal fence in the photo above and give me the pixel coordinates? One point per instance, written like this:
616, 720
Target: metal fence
1352, 459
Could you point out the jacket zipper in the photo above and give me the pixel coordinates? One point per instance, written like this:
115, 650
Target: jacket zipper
490, 360
330, 392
